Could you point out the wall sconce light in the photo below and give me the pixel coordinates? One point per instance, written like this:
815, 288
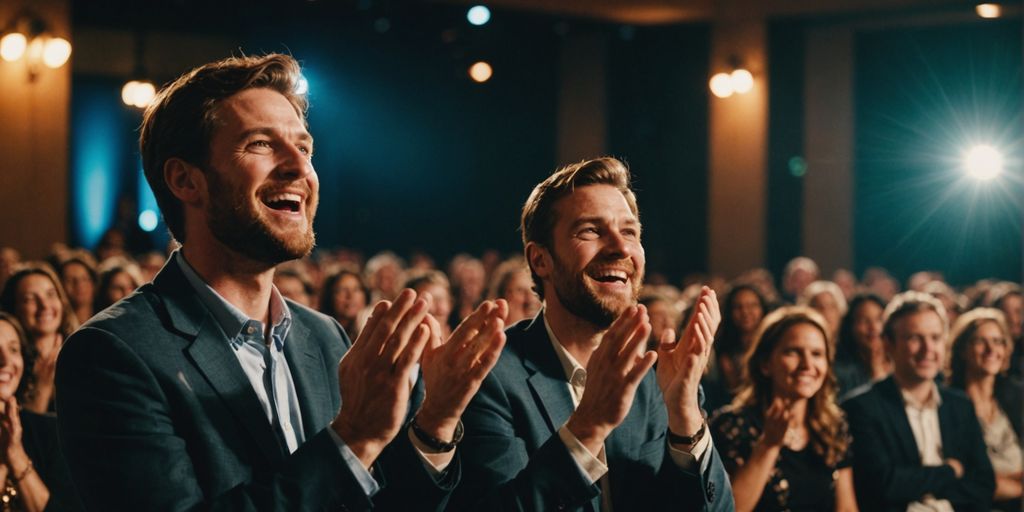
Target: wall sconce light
28, 37
739, 81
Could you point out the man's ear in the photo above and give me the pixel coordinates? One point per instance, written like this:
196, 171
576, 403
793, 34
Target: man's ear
539, 259
184, 180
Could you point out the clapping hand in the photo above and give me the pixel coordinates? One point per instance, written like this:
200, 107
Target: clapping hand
683, 362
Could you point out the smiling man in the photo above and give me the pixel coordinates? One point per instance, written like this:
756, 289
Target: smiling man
917, 445
573, 417
206, 389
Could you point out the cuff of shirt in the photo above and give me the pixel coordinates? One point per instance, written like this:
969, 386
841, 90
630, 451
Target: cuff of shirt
363, 476
593, 467
435, 463
691, 460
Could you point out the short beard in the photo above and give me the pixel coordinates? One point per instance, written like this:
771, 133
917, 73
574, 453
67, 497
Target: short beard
246, 232
582, 302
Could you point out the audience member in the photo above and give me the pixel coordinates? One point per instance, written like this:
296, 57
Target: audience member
826, 298
663, 313
435, 283
9, 260
861, 356
343, 297
295, 284
512, 282
978, 364
35, 296
742, 311
571, 417
118, 278
799, 272
150, 264
32, 467
468, 281
78, 276
917, 445
206, 389
846, 281
384, 274
784, 440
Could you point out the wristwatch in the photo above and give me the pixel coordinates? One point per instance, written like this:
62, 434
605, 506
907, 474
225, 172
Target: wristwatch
688, 440
434, 443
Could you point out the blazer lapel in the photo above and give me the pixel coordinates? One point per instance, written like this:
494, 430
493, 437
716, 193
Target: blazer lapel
947, 426
307, 368
896, 412
547, 378
212, 356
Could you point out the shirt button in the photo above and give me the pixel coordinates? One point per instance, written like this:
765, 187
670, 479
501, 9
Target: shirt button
250, 330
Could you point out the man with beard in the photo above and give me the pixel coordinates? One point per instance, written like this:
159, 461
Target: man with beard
208, 390
572, 417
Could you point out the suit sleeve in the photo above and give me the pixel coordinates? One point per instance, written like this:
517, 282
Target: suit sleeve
118, 434
975, 490
501, 475
878, 476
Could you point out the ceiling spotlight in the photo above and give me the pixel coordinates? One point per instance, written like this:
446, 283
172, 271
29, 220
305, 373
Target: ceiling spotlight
983, 162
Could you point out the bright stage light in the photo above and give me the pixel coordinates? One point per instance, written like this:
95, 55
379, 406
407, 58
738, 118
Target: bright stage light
983, 162
742, 81
301, 86
988, 11
478, 15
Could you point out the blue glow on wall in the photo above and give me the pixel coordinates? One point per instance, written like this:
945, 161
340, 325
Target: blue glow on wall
96, 151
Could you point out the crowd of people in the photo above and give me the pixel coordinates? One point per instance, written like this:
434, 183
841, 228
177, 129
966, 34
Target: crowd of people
784, 365
236, 371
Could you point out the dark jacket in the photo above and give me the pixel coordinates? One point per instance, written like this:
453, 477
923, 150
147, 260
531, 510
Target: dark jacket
887, 470
156, 413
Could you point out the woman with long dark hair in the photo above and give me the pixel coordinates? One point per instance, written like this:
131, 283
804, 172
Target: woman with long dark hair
860, 352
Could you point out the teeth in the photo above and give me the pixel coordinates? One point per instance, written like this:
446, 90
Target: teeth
618, 274
284, 197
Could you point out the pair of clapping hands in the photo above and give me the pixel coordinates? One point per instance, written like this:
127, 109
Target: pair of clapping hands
375, 373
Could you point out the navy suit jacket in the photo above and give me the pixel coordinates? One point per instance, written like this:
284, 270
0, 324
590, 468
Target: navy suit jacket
887, 470
156, 413
515, 459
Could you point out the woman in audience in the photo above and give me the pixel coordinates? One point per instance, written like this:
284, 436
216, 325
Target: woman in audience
343, 296
33, 470
784, 441
513, 283
119, 277
78, 276
860, 354
35, 296
742, 311
826, 298
979, 358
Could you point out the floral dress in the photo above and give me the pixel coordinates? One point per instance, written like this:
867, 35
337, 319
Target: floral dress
800, 481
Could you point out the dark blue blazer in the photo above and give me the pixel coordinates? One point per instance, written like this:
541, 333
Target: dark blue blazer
515, 460
155, 413
887, 470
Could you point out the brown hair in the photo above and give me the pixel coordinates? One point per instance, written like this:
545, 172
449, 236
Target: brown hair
825, 419
9, 295
963, 332
907, 304
28, 357
180, 121
538, 220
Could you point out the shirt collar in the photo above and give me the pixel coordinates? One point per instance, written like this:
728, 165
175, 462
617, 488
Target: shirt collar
575, 373
932, 401
231, 319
